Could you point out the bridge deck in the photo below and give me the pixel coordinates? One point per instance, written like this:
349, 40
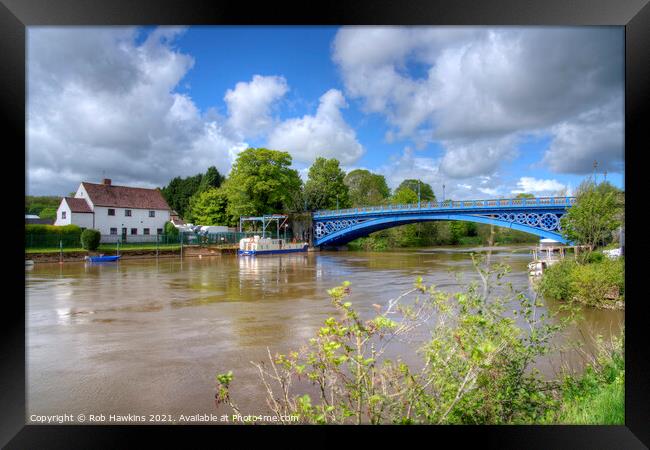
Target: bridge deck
540, 216
453, 206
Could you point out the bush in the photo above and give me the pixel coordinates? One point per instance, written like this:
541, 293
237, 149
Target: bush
599, 284
170, 229
90, 239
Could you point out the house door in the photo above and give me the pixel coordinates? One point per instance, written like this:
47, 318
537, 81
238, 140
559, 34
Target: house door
123, 234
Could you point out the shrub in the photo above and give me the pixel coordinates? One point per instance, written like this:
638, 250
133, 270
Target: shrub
599, 284
170, 229
90, 239
595, 257
477, 365
556, 281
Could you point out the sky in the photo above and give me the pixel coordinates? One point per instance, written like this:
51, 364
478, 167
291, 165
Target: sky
487, 112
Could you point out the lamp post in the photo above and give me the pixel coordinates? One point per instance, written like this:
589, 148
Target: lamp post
337, 201
285, 231
443, 192
418, 193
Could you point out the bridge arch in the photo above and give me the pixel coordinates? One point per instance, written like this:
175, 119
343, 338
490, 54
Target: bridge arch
364, 228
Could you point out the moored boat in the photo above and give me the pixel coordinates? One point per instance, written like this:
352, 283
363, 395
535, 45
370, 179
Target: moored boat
265, 246
102, 258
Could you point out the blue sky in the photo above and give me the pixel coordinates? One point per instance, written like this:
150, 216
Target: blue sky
488, 112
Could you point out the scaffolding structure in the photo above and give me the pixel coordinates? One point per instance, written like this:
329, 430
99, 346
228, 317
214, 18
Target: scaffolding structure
266, 221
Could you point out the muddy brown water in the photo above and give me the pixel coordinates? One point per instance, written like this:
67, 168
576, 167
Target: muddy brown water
146, 337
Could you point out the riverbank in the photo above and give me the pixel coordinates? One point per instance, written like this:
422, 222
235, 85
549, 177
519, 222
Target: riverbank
599, 283
77, 255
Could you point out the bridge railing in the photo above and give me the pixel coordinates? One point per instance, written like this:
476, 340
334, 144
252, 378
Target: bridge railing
455, 205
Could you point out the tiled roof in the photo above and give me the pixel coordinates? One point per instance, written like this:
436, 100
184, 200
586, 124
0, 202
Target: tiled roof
124, 196
78, 205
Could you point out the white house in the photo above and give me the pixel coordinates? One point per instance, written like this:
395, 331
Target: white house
116, 211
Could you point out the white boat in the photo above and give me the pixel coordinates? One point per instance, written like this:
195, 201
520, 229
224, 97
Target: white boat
263, 246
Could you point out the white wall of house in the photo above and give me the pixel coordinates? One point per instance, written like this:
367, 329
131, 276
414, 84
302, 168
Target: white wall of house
83, 220
139, 219
63, 208
81, 193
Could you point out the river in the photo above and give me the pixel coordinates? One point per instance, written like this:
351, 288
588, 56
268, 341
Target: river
148, 336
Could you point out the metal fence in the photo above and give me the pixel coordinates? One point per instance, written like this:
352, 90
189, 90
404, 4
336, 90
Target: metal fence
33, 241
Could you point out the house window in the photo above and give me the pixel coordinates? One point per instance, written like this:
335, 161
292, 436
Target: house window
152, 213
113, 230
134, 231
159, 230
111, 212
63, 214
146, 231
127, 212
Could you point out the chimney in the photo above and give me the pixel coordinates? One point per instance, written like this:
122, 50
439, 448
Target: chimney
106, 181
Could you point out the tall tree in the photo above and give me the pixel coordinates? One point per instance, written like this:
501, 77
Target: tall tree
179, 190
524, 195
325, 188
366, 188
598, 211
261, 182
211, 179
209, 207
404, 195
426, 192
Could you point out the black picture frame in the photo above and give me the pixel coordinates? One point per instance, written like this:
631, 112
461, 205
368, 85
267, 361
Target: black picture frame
634, 15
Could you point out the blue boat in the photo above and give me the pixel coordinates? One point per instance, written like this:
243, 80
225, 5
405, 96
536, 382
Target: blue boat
103, 258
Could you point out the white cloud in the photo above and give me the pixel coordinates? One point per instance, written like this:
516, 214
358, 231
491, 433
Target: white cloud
249, 104
596, 135
532, 185
476, 90
324, 134
101, 103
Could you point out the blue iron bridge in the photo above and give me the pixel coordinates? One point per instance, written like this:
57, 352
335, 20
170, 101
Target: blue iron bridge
538, 216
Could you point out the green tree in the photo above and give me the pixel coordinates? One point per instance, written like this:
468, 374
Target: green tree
366, 188
261, 182
404, 195
598, 211
325, 188
209, 207
48, 213
426, 192
211, 179
524, 195
179, 191
36, 204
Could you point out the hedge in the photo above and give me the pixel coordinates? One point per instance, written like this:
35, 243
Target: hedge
52, 236
53, 230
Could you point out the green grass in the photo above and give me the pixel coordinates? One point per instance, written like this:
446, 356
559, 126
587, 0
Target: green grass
606, 406
597, 397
